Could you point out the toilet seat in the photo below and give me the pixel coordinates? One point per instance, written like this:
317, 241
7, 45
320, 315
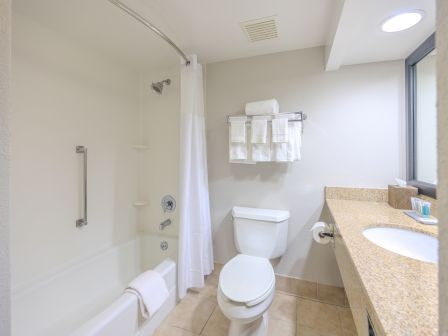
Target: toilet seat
247, 279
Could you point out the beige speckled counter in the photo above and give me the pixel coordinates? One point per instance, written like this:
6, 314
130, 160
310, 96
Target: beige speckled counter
401, 292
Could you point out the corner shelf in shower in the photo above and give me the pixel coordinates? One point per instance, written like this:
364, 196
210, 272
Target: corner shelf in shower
140, 203
140, 147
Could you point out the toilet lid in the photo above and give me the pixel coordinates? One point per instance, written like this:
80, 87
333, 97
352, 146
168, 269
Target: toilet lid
246, 278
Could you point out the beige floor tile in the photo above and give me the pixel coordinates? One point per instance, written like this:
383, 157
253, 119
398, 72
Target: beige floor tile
167, 330
209, 291
347, 323
307, 331
281, 327
283, 307
331, 294
320, 316
217, 325
297, 287
191, 314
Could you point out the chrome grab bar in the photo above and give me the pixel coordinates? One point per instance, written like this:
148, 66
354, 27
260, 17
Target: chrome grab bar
83, 221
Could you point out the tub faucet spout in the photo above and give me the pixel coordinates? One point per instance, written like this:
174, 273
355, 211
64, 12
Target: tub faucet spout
164, 224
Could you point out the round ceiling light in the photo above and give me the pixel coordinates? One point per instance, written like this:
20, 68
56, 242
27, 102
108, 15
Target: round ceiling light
402, 21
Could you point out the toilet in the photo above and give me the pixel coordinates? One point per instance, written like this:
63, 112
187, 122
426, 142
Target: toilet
247, 282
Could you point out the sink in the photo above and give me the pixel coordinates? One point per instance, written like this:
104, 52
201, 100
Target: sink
412, 244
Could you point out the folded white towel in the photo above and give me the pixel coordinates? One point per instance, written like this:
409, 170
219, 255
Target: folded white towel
262, 107
295, 141
151, 291
238, 129
280, 130
259, 129
261, 152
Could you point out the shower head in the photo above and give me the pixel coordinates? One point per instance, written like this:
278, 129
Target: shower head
158, 87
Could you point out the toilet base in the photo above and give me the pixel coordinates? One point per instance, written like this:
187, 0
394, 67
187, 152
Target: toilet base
258, 327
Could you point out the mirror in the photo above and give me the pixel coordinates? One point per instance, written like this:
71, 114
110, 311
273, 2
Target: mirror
422, 118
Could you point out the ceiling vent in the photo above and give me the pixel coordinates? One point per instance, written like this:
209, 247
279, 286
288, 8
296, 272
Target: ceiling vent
261, 29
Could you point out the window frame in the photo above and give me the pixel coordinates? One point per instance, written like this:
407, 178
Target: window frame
423, 50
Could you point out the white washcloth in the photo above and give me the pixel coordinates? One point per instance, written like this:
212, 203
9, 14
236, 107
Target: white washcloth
238, 129
151, 291
295, 141
262, 107
259, 129
280, 130
261, 152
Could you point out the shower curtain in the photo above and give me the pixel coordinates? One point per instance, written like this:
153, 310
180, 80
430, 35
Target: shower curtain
195, 235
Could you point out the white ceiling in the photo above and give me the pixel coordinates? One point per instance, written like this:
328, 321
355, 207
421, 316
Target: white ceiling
350, 29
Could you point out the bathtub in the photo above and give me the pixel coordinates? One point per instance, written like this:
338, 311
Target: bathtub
85, 297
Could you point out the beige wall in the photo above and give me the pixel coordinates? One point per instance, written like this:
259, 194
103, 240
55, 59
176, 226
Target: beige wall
66, 95
159, 165
5, 66
354, 136
442, 189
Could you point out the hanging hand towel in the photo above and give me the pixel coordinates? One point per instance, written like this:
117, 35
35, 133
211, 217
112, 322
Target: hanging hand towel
259, 129
295, 141
261, 151
280, 151
238, 152
262, 107
151, 291
280, 129
238, 129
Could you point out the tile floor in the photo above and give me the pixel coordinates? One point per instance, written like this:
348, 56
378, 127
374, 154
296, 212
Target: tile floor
199, 314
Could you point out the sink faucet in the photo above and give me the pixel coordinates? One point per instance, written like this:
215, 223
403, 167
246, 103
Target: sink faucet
164, 224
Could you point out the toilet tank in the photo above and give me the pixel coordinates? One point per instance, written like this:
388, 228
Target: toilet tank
260, 232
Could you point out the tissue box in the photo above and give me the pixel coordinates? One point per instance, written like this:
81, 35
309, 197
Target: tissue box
400, 197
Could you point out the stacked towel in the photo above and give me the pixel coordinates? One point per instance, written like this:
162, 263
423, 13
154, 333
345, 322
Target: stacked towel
262, 107
151, 291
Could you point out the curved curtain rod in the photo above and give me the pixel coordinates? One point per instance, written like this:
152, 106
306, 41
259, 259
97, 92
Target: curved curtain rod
148, 24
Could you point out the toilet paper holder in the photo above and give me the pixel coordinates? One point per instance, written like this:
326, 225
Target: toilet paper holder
326, 234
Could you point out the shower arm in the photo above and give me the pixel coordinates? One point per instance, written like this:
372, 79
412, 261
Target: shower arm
148, 24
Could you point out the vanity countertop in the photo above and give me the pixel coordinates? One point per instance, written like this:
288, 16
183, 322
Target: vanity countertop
402, 291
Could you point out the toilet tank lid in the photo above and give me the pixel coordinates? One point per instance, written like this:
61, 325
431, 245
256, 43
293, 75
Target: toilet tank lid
260, 214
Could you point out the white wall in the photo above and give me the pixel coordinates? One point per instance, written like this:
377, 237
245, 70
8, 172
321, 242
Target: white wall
65, 95
5, 69
354, 136
159, 166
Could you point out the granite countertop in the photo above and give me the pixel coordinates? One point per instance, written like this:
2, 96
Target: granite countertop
403, 291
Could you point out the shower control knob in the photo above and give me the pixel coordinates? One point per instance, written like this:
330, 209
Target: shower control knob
168, 203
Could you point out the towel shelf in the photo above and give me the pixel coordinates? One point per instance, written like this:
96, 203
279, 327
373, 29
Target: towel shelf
298, 116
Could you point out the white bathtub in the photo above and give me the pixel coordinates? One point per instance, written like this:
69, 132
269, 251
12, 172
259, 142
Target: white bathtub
85, 297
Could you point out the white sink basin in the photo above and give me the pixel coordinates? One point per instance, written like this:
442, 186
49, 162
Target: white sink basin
408, 243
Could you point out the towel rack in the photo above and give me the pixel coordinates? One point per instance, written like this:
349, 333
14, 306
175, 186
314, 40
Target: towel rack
298, 116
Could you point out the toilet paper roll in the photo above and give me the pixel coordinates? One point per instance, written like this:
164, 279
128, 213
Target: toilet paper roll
318, 228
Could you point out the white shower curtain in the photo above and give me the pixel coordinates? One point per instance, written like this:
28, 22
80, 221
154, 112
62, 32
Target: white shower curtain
195, 235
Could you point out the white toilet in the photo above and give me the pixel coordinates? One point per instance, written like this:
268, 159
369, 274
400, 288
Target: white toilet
247, 282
